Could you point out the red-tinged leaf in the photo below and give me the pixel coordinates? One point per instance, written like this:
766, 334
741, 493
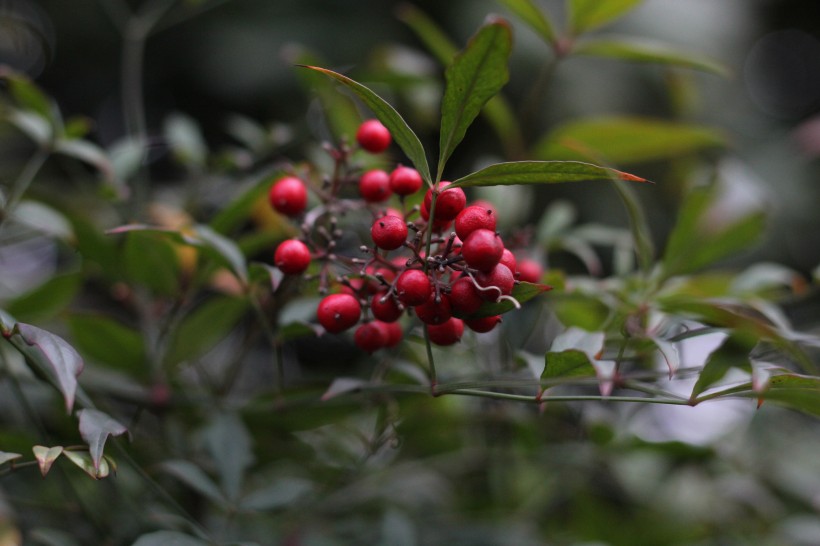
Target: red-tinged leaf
50, 356
399, 129
46, 456
669, 353
540, 172
84, 461
95, 428
476, 75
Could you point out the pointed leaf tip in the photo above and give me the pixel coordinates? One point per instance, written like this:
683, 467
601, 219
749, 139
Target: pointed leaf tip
632, 178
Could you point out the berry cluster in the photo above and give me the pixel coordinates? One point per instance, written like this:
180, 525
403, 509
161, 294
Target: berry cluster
415, 265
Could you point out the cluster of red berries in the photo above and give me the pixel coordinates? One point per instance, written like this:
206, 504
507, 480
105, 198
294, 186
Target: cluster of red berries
445, 279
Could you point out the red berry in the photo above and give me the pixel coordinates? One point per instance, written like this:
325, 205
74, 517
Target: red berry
393, 332
438, 225
370, 337
405, 180
482, 249
465, 298
434, 312
385, 308
508, 259
484, 324
292, 257
530, 271
449, 202
499, 277
413, 287
373, 136
338, 312
288, 196
472, 218
374, 186
389, 232
446, 334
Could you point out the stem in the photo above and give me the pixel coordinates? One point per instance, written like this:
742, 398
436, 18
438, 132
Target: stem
568, 398
24, 180
432, 371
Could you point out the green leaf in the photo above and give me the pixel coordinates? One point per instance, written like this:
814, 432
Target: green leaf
799, 392
535, 17
477, 74
205, 327
46, 300
95, 428
522, 292
622, 140
648, 51
6, 457
733, 353
238, 210
109, 342
638, 226
185, 139
83, 460
87, 152
498, 111
540, 172
150, 260
586, 15
572, 353
46, 456
168, 538
230, 444
694, 244
193, 476
281, 494
26, 93
43, 218
401, 132
33, 125
50, 356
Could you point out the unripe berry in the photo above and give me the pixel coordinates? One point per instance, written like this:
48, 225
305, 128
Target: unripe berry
413, 287
384, 307
389, 232
465, 298
373, 137
405, 180
530, 271
288, 196
370, 337
374, 186
484, 324
448, 333
482, 249
434, 312
499, 277
338, 312
292, 257
449, 202
472, 218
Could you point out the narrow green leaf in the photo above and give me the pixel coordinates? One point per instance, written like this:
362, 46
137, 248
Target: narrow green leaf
50, 356
498, 112
638, 226
733, 353
572, 353
109, 342
623, 140
477, 74
46, 300
33, 125
43, 218
95, 428
195, 478
26, 93
149, 259
205, 327
239, 209
230, 445
184, 137
537, 19
522, 292
799, 392
586, 15
87, 152
648, 51
280, 494
46, 456
402, 134
540, 172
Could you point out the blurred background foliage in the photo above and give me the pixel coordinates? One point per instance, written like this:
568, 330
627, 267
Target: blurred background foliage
216, 75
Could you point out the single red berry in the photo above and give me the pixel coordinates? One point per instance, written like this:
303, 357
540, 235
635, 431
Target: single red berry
508, 259
405, 180
500, 277
370, 337
385, 308
374, 186
288, 196
465, 298
389, 232
292, 257
413, 287
449, 202
438, 225
484, 324
530, 271
472, 218
434, 312
338, 312
482, 250
392, 331
447, 333
373, 137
